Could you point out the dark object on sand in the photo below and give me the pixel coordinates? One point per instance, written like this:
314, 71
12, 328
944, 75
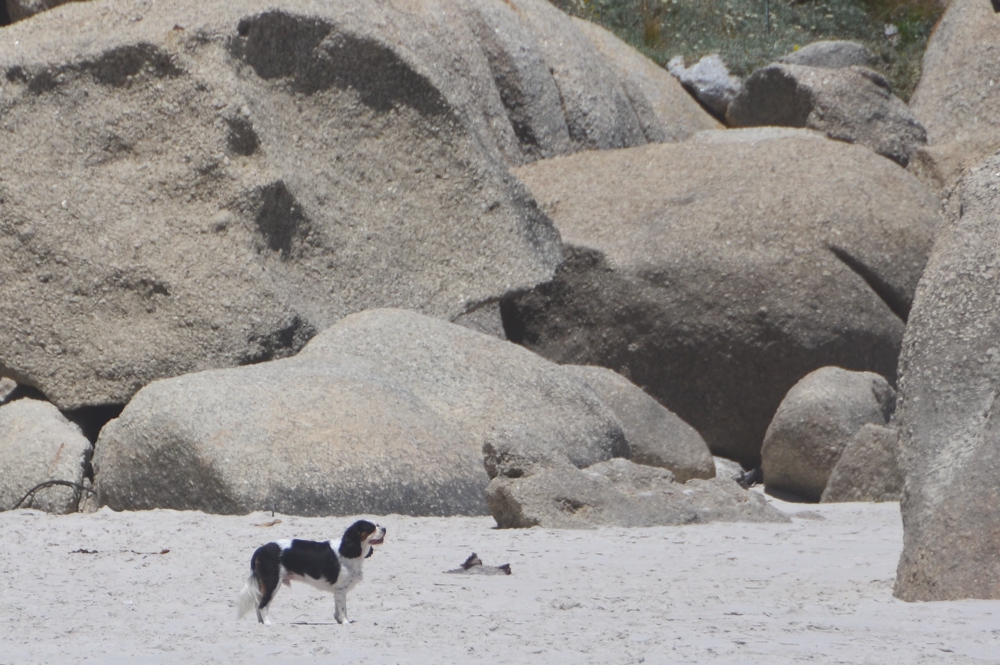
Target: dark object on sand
755, 476
474, 565
996, 6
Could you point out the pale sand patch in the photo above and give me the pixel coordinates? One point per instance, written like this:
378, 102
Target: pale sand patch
816, 590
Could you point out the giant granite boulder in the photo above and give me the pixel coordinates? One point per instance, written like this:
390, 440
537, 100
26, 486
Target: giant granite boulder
388, 411
716, 274
852, 104
38, 444
949, 381
814, 424
958, 97
198, 185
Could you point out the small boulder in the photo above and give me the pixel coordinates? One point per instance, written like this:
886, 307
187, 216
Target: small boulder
854, 104
868, 469
37, 444
832, 54
727, 468
815, 422
619, 493
709, 81
656, 436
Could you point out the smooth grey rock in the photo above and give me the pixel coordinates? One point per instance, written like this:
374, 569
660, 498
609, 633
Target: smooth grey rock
656, 436
958, 96
831, 54
37, 444
949, 381
868, 469
620, 493
212, 184
715, 275
814, 423
853, 104
709, 81
387, 411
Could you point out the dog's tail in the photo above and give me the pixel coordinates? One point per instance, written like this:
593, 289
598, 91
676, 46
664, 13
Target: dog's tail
249, 597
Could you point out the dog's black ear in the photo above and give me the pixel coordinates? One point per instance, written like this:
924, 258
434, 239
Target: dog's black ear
350, 547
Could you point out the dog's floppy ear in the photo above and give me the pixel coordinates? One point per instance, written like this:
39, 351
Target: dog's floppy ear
350, 544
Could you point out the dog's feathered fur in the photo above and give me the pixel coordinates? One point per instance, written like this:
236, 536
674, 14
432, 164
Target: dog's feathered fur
315, 563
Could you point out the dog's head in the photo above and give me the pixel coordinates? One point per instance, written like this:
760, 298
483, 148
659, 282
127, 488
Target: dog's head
360, 538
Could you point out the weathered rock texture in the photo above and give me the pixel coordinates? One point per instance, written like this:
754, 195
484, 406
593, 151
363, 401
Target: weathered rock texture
196, 185
620, 493
37, 444
716, 275
18, 10
665, 110
868, 469
7, 386
388, 411
958, 97
833, 54
817, 419
853, 104
656, 436
949, 381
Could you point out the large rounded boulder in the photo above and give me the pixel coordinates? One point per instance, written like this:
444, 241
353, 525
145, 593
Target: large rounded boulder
716, 273
207, 185
388, 411
948, 386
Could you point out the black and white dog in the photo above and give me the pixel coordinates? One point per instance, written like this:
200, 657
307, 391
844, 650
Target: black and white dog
315, 563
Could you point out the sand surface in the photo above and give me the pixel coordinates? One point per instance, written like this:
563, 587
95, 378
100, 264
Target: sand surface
97, 589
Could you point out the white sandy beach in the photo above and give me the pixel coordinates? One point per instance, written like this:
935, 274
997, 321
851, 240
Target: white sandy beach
818, 590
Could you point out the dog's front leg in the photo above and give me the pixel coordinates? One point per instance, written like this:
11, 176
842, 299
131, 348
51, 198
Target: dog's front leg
341, 612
